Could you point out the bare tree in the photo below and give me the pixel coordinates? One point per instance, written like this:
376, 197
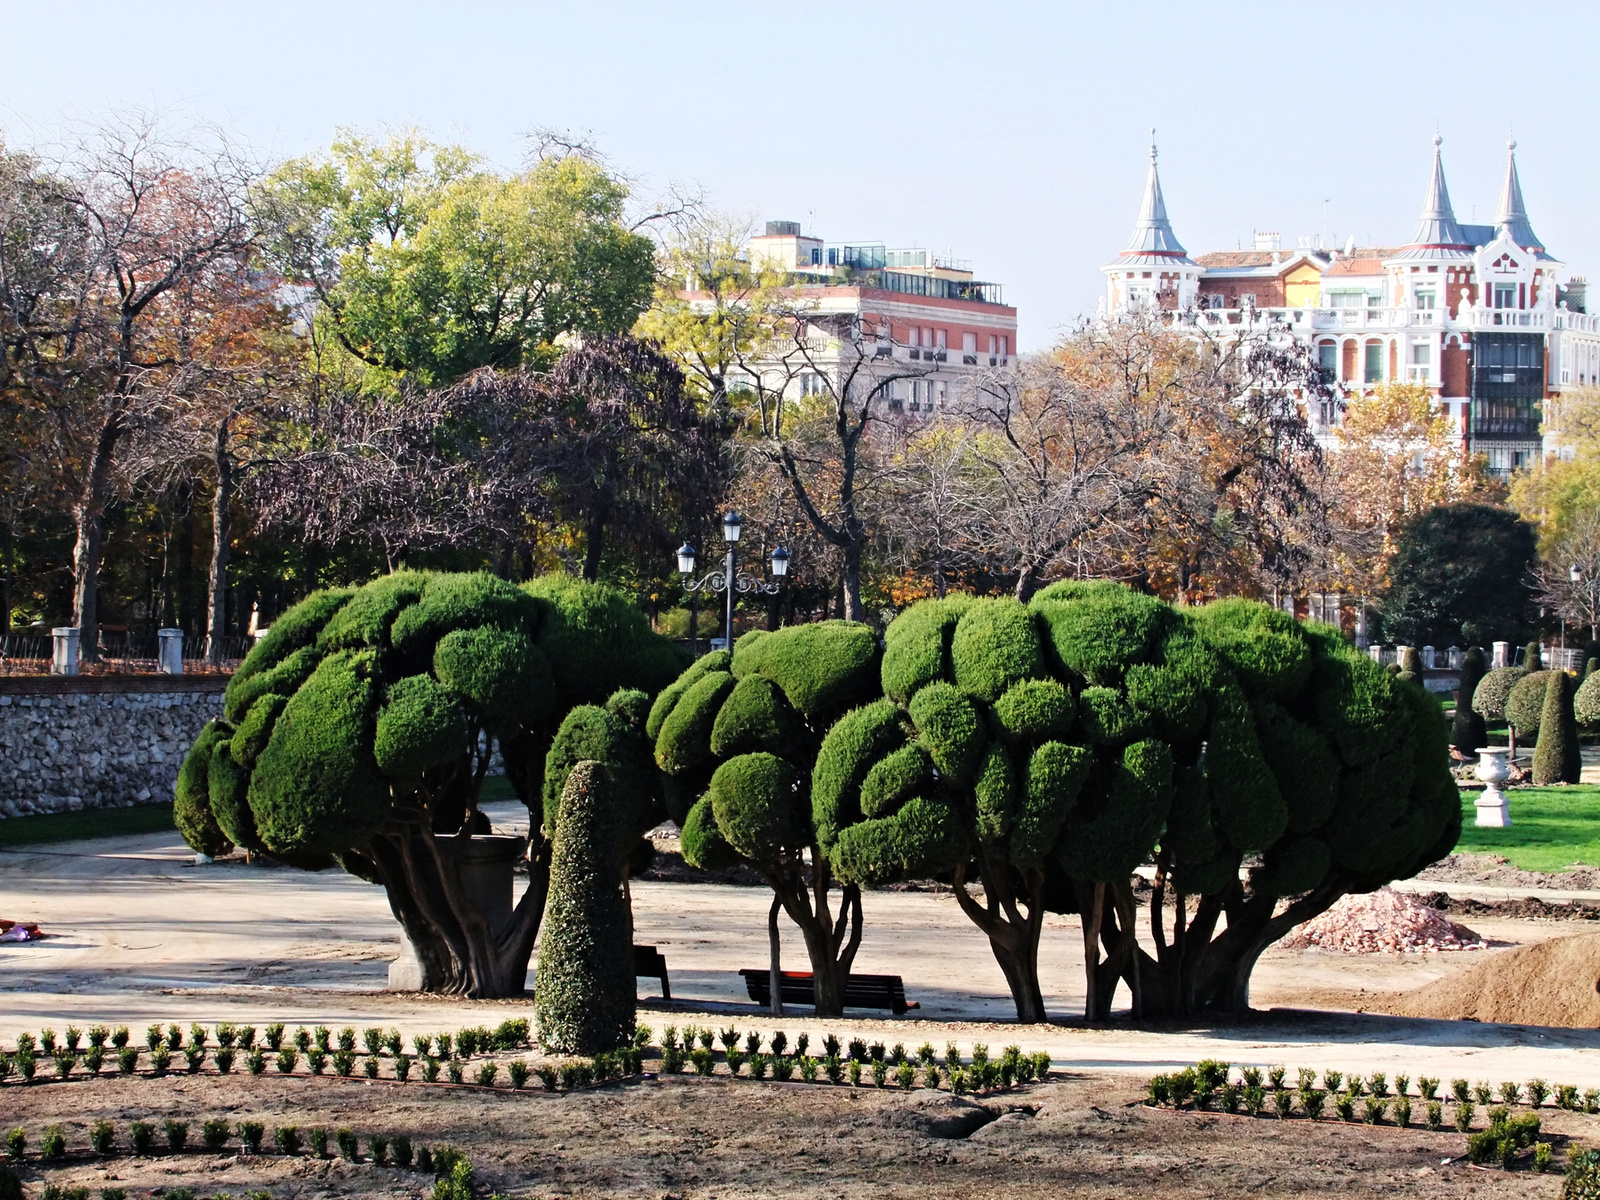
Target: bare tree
92, 305
1567, 578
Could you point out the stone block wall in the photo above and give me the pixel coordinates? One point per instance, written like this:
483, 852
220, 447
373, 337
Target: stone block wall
104, 741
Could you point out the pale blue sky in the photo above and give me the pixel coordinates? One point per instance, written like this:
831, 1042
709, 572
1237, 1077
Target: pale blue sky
1013, 134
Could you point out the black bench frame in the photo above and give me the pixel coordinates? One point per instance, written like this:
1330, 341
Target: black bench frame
860, 991
649, 962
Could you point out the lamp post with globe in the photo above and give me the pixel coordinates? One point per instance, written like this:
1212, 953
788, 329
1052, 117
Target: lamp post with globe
728, 580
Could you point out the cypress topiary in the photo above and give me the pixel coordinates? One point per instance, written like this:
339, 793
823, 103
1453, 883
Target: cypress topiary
584, 994
1493, 690
1411, 665
1531, 657
1525, 704
1468, 732
1586, 701
1556, 758
365, 719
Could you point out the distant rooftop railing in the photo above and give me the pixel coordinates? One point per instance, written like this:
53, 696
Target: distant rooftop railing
911, 285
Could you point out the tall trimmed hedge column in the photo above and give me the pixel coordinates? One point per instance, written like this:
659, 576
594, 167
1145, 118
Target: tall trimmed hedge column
584, 986
1468, 733
1556, 757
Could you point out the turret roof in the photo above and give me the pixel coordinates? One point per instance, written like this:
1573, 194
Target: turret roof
1153, 239
1438, 236
1512, 211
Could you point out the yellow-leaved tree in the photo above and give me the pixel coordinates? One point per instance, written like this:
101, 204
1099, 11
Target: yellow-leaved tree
1397, 455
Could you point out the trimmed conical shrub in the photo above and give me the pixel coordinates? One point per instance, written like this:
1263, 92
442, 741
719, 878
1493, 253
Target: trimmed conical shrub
1469, 731
1530, 657
1556, 758
584, 990
1411, 665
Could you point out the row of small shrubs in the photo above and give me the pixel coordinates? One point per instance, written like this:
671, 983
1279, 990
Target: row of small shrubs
852, 1060
236, 1046
216, 1135
56, 1191
1212, 1076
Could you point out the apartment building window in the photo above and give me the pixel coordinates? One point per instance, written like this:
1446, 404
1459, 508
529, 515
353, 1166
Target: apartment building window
812, 384
994, 344
1005, 345
943, 336
1372, 371
1421, 362
1505, 295
1328, 358
1425, 297
969, 349
1247, 300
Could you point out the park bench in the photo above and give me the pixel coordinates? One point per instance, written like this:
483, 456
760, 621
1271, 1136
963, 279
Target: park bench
860, 991
649, 962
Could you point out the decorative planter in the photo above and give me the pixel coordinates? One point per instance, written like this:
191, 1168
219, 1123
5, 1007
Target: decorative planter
485, 866
1494, 810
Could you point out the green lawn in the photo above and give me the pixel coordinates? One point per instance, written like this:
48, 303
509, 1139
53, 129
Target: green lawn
1551, 828
76, 826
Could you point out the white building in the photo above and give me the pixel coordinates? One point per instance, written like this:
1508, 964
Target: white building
1483, 315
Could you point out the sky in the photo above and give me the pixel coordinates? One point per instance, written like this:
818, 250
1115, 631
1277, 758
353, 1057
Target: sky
1014, 135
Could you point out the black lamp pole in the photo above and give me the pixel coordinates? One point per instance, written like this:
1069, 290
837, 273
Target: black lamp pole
728, 579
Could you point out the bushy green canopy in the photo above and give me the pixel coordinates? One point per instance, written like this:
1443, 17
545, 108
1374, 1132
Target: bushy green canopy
355, 694
1080, 733
1494, 690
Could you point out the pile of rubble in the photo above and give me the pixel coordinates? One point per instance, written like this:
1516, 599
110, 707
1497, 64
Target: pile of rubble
1382, 922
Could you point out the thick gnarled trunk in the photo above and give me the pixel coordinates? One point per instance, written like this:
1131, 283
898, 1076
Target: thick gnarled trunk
1012, 932
461, 949
831, 940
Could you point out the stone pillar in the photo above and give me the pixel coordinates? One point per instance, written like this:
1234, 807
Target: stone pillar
1502, 654
1427, 658
1376, 652
1454, 658
64, 651
169, 651
1400, 655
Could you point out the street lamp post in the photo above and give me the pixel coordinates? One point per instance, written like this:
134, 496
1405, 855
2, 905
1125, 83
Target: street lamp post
728, 579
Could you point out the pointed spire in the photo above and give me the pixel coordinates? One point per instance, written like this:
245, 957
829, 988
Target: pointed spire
1437, 230
1152, 233
1513, 214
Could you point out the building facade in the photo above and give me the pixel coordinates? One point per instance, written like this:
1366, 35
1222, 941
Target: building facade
927, 321
1482, 315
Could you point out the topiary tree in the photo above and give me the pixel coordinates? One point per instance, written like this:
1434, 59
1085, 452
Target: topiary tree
1411, 665
738, 738
1468, 732
1525, 704
584, 989
1586, 701
361, 726
1051, 749
1531, 657
1556, 758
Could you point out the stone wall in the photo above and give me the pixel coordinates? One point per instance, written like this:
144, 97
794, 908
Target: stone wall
100, 741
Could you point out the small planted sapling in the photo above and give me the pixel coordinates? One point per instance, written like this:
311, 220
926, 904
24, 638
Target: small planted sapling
141, 1136
103, 1137
318, 1137
250, 1135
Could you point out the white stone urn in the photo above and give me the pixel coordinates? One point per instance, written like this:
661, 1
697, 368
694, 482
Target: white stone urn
1494, 810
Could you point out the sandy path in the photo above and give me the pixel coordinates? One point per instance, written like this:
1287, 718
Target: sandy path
144, 935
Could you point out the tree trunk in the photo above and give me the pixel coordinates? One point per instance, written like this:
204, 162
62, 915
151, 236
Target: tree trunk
1027, 583
186, 621
775, 970
1013, 935
458, 952
221, 540
850, 590
89, 518
6, 576
831, 942
594, 546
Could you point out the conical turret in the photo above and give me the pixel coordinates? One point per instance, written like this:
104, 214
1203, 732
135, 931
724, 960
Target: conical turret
1512, 212
1152, 233
1438, 234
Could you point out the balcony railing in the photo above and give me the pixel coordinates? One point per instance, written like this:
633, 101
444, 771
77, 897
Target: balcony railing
120, 654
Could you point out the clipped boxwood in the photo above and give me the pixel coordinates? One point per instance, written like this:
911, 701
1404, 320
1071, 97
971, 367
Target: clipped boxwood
1493, 690
1525, 703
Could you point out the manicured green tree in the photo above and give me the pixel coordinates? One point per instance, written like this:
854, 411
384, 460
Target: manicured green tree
584, 989
1468, 732
1586, 701
737, 738
1531, 659
1556, 758
1525, 704
361, 726
1459, 577
1053, 748
1411, 665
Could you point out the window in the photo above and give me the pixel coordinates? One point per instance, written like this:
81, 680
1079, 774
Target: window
1505, 295
1005, 345
969, 349
943, 337
812, 384
1347, 300
1373, 367
1247, 300
1421, 362
994, 344
1328, 358
1425, 297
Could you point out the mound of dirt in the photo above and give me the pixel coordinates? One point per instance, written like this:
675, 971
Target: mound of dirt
1382, 922
1554, 982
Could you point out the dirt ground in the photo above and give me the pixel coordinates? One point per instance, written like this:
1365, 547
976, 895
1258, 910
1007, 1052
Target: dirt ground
688, 1138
